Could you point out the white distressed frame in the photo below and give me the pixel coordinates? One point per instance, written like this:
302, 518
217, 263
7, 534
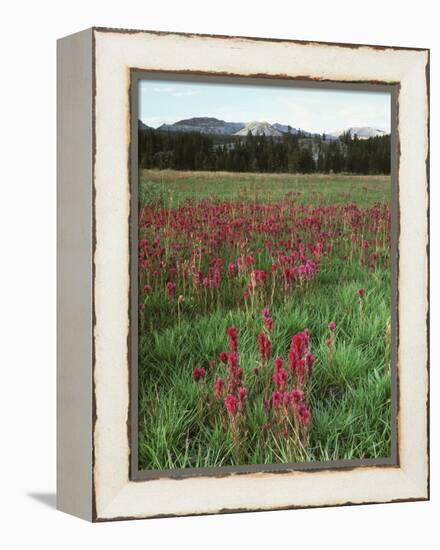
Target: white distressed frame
114, 494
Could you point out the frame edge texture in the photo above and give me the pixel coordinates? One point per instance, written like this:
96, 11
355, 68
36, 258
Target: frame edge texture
74, 273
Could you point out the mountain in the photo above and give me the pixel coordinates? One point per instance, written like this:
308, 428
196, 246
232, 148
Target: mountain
204, 125
285, 129
215, 126
259, 129
143, 126
362, 132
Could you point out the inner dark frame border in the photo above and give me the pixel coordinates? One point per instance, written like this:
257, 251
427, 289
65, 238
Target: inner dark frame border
136, 75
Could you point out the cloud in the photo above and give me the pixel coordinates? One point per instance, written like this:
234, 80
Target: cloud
185, 93
175, 92
165, 90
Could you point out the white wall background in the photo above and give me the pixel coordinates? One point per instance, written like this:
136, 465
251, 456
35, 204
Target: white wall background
27, 274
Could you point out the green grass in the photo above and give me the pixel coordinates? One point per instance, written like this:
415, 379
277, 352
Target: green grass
350, 392
174, 187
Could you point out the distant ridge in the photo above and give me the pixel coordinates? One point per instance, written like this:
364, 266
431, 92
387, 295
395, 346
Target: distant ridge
285, 128
205, 125
215, 126
362, 132
256, 128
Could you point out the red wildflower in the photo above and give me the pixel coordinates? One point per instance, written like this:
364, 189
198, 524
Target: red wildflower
198, 374
232, 269
218, 388
265, 347
232, 333
310, 361
297, 396
233, 359
276, 400
267, 320
280, 378
300, 369
361, 293
223, 357
304, 414
298, 350
171, 288
332, 326
258, 276
249, 259
231, 404
242, 393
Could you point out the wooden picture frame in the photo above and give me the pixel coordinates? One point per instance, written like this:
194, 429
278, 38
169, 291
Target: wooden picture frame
97, 475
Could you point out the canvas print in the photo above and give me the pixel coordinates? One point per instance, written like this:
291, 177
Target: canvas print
264, 274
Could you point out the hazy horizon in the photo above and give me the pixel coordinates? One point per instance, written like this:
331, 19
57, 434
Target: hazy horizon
312, 109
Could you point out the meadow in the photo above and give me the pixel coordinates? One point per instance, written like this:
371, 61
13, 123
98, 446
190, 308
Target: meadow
264, 318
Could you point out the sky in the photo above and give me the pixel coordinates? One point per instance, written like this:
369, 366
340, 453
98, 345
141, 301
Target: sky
311, 109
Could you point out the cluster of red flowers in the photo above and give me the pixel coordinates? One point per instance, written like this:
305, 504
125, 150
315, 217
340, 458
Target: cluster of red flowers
265, 251
231, 392
285, 404
287, 410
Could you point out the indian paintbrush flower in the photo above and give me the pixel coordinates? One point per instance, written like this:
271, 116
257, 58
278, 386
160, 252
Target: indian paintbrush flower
265, 347
231, 404
232, 333
219, 385
223, 357
199, 374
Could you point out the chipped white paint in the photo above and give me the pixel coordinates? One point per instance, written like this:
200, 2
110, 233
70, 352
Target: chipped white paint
116, 496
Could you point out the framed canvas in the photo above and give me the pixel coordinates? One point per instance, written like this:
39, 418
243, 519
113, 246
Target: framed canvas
243, 290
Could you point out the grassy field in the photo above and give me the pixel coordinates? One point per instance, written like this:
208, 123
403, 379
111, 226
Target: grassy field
314, 188
328, 237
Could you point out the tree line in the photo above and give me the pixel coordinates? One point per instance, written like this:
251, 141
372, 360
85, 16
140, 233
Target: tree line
294, 153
